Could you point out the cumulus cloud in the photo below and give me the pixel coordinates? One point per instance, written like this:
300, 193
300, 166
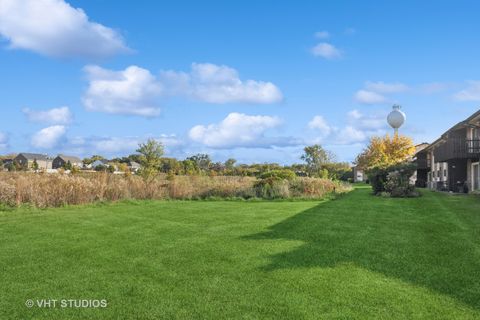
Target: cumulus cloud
131, 91
369, 97
374, 92
240, 130
367, 122
322, 35
54, 28
350, 135
320, 124
327, 51
3, 140
60, 115
135, 91
470, 93
49, 137
358, 128
219, 84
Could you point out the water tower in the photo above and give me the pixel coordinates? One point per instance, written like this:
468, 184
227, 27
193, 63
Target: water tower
396, 118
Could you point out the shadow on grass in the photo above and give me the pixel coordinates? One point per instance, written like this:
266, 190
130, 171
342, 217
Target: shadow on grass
428, 241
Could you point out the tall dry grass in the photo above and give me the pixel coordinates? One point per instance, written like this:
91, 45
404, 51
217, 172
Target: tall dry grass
54, 190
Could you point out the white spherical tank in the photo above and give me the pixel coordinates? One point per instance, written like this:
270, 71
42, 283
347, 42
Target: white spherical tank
396, 118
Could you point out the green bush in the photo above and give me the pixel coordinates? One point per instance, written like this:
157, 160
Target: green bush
393, 180
279, 174
377, 178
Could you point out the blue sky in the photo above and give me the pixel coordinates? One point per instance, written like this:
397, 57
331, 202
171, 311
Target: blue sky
253, 80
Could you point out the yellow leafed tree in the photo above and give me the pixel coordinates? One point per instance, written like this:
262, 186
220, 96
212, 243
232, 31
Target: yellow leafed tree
385, 151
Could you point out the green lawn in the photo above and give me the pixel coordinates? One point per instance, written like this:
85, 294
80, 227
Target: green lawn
357, 257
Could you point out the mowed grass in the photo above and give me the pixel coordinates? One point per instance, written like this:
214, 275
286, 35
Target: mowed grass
356, 257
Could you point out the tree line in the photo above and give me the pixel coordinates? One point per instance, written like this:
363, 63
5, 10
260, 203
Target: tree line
318, 163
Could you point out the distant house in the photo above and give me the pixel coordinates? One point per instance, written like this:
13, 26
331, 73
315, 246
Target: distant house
358, 174
6, 162
27, 160
98, 163
61, 160
134, 166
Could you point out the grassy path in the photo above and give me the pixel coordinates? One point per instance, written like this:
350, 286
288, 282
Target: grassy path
357, 257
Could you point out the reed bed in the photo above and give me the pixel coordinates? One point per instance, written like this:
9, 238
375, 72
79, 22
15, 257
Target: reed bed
54, 190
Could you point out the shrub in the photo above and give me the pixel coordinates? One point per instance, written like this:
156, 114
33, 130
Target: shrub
377, 178
397, 186
393, 180
279, 174
274, 184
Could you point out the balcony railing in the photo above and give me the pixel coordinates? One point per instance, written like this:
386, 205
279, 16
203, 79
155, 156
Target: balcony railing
457, 148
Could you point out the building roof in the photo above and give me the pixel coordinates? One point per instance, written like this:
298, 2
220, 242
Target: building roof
134, 165
99, 162
72, 159
8, 156
421, 147
474, 119
34, 156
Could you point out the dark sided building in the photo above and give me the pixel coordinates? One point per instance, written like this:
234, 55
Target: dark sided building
451, 163
61, 160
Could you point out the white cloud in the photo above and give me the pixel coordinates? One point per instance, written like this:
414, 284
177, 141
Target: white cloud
374, 92
135, 91
3, 140
60, 115
131, 91
367, 122
470, 93
322, 35
54, 28
49, 137
327, 51
219, 84
319, 123
358, 128
350, 135
382, 87
240, 130
369, 97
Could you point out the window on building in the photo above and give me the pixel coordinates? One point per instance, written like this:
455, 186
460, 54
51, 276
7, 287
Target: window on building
476, 133
444, 172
